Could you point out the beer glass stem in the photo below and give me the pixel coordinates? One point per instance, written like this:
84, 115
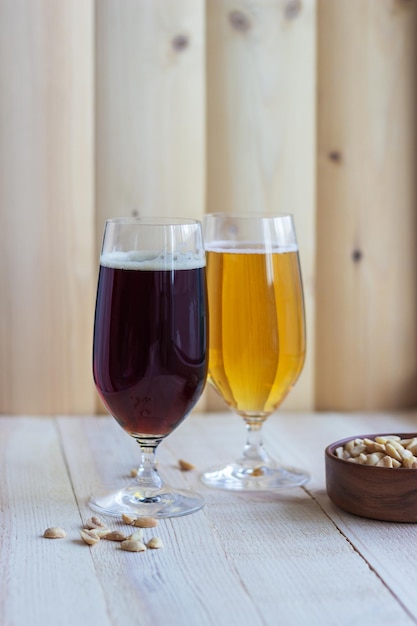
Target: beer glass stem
254, 452
148, 476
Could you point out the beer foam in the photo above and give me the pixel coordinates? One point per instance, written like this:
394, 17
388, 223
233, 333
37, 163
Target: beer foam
147, 261
249, 247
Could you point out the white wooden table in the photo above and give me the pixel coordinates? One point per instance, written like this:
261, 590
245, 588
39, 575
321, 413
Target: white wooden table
245, 559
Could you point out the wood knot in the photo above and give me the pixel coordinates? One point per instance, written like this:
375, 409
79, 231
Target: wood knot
335, 155
239, 21
292, 9
180, 42
357, 255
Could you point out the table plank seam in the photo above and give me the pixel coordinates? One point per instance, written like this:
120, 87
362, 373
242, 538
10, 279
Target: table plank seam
359, 553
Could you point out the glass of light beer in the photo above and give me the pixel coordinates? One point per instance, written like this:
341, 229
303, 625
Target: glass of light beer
257, 337
150, 347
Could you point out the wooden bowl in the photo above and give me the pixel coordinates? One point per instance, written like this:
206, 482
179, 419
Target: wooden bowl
380, 493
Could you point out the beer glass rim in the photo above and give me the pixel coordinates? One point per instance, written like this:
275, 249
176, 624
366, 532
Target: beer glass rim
249, 216
250, 229
153, 221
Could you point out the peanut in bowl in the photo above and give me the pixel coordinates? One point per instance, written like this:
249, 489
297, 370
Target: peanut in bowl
371, 487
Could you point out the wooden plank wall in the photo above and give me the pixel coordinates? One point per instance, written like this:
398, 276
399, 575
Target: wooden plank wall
150, 108
46, 205
120, 107
366, 301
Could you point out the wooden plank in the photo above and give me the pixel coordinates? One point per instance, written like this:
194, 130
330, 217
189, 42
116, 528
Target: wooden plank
46, 206
44, 581
276, 554
261, 126
150, 108
366, 235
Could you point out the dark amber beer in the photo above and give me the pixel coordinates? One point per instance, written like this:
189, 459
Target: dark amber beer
256, 338
149, 358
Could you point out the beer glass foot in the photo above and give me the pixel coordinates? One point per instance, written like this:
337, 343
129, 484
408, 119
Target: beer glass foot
131, 500
235, 476
255, 469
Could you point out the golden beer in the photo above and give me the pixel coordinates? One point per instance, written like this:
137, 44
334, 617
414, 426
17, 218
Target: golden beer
257, 333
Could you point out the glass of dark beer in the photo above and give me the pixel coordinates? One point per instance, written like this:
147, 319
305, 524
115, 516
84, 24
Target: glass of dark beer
257, 338
150, 347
